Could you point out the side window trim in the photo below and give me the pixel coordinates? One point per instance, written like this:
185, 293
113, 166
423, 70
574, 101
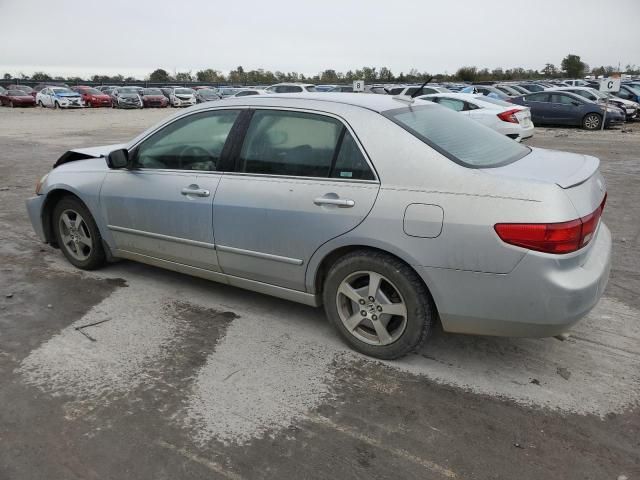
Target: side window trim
346, 128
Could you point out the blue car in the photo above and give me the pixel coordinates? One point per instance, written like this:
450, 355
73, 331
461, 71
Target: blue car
564, 108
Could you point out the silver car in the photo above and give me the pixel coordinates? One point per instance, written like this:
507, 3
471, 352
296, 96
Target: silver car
392, 213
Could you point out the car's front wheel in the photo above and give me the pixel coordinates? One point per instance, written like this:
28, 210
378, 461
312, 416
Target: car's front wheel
592, 121
77, 234
378, 304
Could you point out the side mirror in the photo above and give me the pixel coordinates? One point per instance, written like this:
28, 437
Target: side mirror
118, 159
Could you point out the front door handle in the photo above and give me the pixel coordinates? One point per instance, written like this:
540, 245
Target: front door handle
195, 191
339, 202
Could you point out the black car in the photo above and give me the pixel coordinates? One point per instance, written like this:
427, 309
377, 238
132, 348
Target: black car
564, 108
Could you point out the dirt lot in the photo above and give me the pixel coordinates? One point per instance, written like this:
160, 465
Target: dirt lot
186, 378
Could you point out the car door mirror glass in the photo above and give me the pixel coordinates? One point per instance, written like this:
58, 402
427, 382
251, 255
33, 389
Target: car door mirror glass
118, 159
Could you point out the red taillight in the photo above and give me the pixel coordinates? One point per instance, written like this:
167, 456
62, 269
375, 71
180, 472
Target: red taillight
509, 116
564, 237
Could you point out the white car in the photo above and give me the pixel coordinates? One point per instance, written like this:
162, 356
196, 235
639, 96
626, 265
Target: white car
246, 92
506, 118
58, 97
291, 88
182, 97
411, 89
575, 83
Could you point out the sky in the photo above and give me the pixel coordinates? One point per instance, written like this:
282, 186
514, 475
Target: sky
133, 37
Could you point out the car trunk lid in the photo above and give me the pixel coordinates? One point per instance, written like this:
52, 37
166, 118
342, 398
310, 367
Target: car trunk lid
576, 174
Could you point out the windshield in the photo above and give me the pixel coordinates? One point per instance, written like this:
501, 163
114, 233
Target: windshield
152, 91
184, 91
460, 139
16, 93
91, 91
24, 88
61, 90
128, 90
205, 92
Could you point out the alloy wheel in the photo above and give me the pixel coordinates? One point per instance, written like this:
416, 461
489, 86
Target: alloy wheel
371, 308
592, 122
75, 235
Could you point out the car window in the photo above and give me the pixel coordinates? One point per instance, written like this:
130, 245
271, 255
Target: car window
563, 99
460, 139
290, 143
350, 163
190, 143
624, 93
395, 91
453, 104
537, 97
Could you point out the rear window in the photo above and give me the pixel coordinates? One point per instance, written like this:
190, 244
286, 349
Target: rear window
460, 139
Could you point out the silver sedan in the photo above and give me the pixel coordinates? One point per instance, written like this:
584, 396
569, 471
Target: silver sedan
392, 213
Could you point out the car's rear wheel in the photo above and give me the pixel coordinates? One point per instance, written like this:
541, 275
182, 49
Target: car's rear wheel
592, 121
56, 105
378, 304
77, 234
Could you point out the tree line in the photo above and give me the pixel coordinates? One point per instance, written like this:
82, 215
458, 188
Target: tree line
571, 66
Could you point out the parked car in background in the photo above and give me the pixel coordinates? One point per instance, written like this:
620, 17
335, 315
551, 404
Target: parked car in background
42, 85
575, 83
104, 88
2, 90
565, 108
225, 92
25, 88
322, 206
92, 97
182, 97
126, 97
206, 95
58, 97
247, 92
291, 88
341, 89
630, 108
325, 88
16, 98
511, 120
153, 97
531, 87
412, 89
486, 90
508, 90
377, 89
628, 92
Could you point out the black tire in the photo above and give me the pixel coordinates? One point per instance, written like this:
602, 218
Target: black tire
96, 258
40, 104
56, 105
592, 121
420, 308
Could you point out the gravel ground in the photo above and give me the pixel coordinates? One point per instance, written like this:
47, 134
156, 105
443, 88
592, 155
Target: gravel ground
135, 372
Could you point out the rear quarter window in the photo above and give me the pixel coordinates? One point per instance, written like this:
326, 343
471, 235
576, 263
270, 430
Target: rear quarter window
460, 139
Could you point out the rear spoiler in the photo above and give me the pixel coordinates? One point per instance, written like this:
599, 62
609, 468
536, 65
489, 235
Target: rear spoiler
86, 153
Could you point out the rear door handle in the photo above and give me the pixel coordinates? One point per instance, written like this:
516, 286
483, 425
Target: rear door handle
339, 202
195, 191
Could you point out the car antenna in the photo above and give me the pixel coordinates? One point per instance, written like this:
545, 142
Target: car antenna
418, 91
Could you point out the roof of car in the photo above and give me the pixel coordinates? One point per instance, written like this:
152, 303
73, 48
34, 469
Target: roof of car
377, 103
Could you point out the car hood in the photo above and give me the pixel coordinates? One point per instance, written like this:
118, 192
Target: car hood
87, 153
565, 169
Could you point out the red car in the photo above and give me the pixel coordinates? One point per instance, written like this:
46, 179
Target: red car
17, 98
25, 88
92, 97
153, 97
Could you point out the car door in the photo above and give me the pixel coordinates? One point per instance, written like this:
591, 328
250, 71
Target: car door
162, 207
565, 109
540, 107
301, 179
